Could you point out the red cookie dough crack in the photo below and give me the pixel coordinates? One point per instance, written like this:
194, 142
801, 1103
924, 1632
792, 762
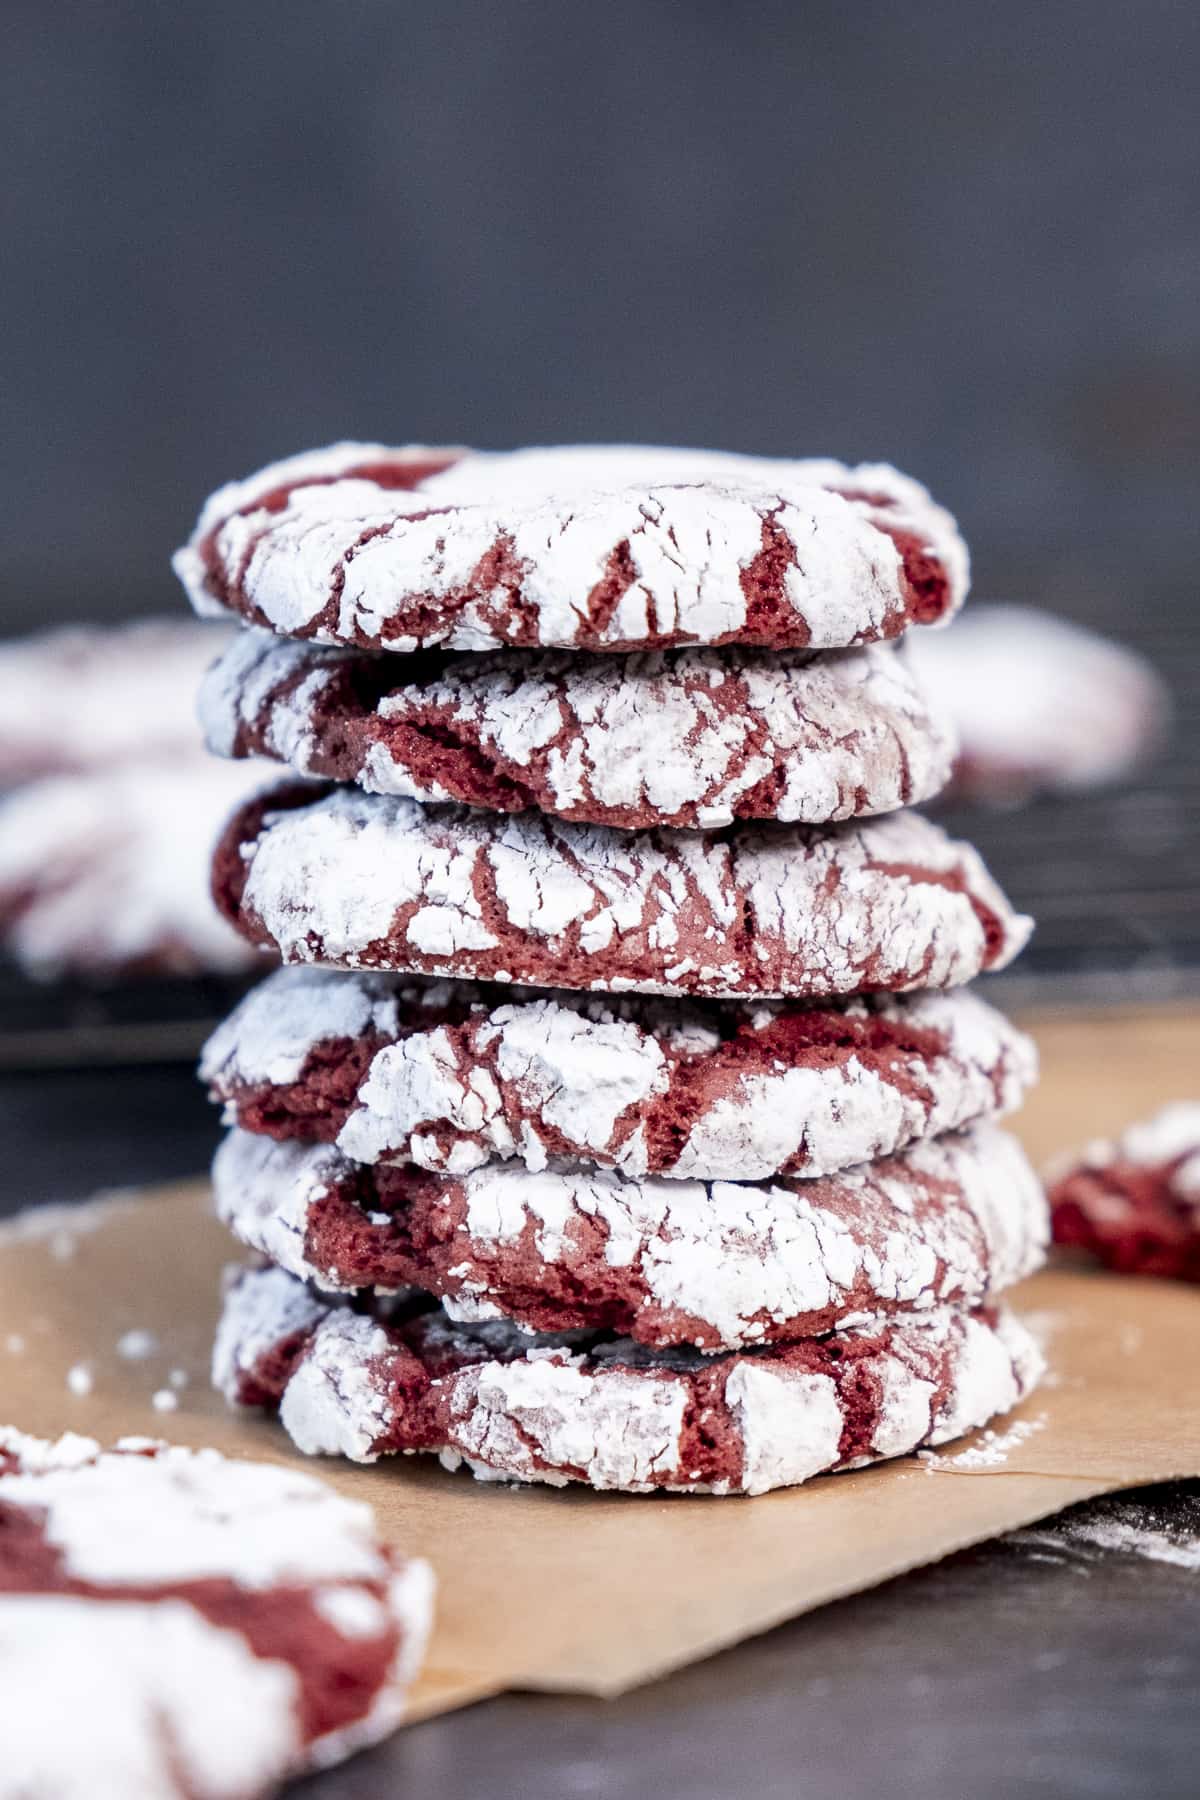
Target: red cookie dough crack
604, 1410
698, 738
578, 548
1135, 1203
217, 1626
449, 1076
721, 1265
368, 881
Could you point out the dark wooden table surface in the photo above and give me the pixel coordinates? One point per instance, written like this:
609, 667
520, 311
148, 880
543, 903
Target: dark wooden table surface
1017, 1669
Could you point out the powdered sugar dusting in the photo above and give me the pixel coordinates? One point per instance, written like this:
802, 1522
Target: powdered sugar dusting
617, 1415
721, 1264
108, 870
992, 1449
115, 1593
643, 1085
697, 738
1120, 1525
362, 880
582, 547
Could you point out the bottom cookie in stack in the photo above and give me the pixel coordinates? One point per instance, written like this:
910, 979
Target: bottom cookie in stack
704, 1337
605, 1410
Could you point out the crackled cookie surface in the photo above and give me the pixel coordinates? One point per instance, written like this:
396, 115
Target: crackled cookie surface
217, 1626
718, 1264
605, 1410
1135, 1202
370, 881
452, 1075
693, 738
591, 548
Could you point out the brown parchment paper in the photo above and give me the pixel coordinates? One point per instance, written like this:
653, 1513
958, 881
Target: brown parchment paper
565, 1589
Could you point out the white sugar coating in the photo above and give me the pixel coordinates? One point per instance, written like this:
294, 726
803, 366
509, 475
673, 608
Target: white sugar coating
255, 1317
905, 1406
1169, 1136
689, 733
136, 1345
341, 555
992, 1450
85, 696
332, 1405
109, 869
188, 1515
618, 1430
266, 1189
81, 1379
790, 1424
1039, 702
164, 1701
161, 1703
272, 1031
958, 1218
588, 1070
330, 881
997, 1365
616, 1415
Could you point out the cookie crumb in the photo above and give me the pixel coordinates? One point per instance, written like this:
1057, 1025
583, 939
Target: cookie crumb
990, 1452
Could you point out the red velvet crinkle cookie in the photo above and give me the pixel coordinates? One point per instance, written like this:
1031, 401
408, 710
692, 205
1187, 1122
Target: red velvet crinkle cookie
583, 548
88, 696
605, 1410
718, 1264
452, 1075
1040, 705
211, 1627
1135, 1203
369, 881
693, 738
105, 873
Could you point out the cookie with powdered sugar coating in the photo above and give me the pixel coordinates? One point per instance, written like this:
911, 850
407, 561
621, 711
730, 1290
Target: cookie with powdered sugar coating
580, 548
692, 738
84, 697
449, 1075
718, 1264
371, 881
607, 1411
218, 1626
1135, 1202
104, 873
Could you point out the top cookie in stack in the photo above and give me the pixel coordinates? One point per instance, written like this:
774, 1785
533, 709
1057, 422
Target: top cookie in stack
624, 721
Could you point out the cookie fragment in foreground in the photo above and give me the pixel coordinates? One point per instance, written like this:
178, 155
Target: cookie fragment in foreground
604, 1410
1135, 1202
206, 1626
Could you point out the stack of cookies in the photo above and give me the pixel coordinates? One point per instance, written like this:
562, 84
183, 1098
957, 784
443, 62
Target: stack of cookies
621, 1114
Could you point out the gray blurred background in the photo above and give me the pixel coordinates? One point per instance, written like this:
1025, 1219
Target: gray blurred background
963, 237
